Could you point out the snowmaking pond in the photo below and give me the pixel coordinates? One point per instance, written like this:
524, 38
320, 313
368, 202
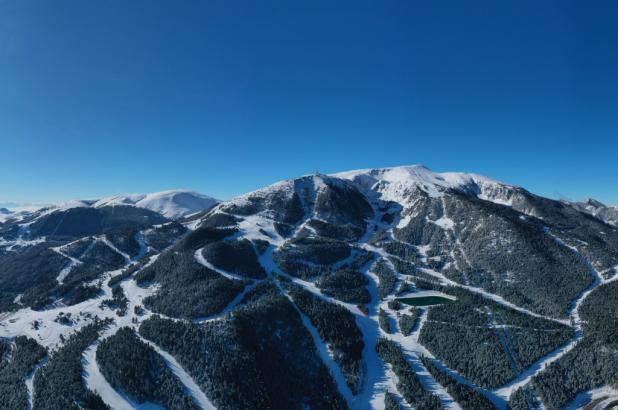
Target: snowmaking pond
426, 298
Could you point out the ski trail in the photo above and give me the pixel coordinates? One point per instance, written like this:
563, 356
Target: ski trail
323, 351
73, 262
199, 257
192, 388
491, 296
231, 306
409, 345
30, 382
143, 246
375, 375
113, 247
451, 228
96, 382
606, 395
538, 366
413, 351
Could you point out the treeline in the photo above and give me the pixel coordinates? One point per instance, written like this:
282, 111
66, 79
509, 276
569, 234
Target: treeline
391, 402
541, 274
31, 272
98, 259
128, 272
475, 352
408, 385
384, 321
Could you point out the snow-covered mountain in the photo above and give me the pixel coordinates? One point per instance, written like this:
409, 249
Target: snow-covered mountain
5, 214
379, 288
395, 183
172, 204
593, 207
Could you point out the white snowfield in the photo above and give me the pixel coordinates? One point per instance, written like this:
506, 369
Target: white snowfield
172, 204
395, 183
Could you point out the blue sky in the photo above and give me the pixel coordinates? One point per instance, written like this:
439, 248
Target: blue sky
102, 98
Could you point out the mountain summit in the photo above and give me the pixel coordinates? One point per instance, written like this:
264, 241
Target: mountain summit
172, 204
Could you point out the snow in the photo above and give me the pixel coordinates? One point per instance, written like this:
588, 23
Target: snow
95, 381
527, 375
445, 223
605, 395
113, 247
199, 257
426, 293
396, 183
73, 262
30, 382
20, 242
173, 204
325, 355
231, 306
491, 296
378, 379
393, 184
196, 393
102, 239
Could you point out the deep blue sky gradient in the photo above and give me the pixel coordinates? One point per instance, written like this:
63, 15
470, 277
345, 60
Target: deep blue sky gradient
102, 98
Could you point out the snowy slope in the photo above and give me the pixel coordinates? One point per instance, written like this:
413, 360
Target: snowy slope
172, 204
593, 207
395, 183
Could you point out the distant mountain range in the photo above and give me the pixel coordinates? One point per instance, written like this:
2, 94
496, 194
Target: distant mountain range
606, 213
389, 288
172, 204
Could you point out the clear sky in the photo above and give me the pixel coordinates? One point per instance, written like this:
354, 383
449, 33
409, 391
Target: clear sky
110, 97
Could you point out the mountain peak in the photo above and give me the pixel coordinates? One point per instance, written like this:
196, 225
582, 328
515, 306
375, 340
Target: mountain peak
594, 203
396, 181
172, 204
